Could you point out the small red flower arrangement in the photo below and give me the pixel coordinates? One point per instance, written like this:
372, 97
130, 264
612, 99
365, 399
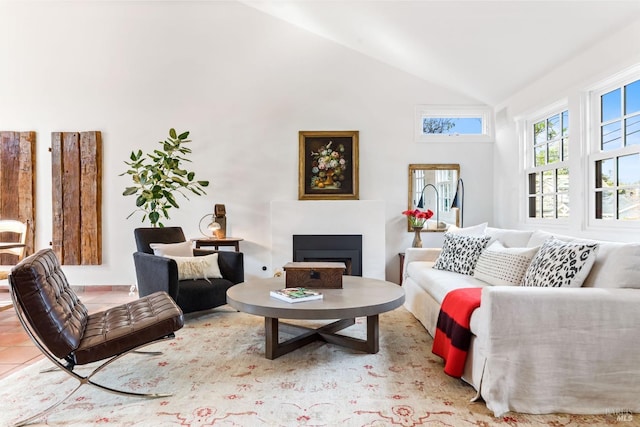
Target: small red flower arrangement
417, 217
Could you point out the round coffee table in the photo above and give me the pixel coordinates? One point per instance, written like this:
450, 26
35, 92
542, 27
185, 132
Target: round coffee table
359, 297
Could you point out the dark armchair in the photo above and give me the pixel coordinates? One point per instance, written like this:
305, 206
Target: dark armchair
156, 273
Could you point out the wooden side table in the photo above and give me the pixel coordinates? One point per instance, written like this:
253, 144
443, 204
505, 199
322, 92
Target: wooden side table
212, 241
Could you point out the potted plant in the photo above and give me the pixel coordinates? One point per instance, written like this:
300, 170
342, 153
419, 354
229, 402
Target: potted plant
158, 175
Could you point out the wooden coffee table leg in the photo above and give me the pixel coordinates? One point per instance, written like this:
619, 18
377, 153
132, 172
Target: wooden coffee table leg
271, 337
274, 349
370, 345
373, 334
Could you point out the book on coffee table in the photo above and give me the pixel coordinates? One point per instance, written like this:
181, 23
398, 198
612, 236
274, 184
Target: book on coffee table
296, 294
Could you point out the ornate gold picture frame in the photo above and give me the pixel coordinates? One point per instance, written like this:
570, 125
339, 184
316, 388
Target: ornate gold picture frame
328, 165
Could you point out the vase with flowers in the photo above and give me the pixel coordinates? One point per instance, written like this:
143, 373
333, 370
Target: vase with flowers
328, 166
417, 218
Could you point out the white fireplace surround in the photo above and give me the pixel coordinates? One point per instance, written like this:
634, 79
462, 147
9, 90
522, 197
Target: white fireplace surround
365, 217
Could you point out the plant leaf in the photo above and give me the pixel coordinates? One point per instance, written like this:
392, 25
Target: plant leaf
129, 191
172, 133
183, 136
154, 217
170, 199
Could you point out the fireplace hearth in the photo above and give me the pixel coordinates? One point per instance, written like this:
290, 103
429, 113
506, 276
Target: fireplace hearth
345, 248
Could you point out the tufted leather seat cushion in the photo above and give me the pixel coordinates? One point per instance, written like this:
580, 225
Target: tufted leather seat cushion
64, 326
127, 326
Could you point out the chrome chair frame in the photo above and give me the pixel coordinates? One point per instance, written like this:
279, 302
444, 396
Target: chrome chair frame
68, 367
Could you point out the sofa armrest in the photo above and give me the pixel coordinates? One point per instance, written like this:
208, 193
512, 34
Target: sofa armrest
419, 254
155, 273
535, 311
542, 343
231, 264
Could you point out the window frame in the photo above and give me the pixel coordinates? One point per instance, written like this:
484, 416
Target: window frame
528, 144
485, 113
592, 106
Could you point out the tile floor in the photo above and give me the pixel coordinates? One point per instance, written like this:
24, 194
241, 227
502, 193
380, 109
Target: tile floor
16, 348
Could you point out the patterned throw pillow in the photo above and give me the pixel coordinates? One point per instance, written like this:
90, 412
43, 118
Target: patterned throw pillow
498, 265
559, 263
198, 267
460, 253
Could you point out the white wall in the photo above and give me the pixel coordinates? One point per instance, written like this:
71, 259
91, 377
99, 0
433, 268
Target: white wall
244, 84
570, 81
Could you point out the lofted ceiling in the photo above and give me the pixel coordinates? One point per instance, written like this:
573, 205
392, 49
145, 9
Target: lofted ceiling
485, 49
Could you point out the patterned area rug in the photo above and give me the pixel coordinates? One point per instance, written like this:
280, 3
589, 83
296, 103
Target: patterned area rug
219, 376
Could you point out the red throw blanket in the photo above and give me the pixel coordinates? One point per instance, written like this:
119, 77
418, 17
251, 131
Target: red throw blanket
453, 335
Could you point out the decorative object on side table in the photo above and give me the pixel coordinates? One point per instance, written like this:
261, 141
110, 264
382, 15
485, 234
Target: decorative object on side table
417, 219
216, 223
158, 175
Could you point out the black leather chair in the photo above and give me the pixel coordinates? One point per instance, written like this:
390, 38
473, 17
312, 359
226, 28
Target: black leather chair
156, 273
61, 327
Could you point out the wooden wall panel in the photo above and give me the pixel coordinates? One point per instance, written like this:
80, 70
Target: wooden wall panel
77, 197
57, 238
17, 185
91, 197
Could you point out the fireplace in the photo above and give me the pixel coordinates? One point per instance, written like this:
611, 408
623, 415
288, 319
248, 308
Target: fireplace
345, 248
330, 217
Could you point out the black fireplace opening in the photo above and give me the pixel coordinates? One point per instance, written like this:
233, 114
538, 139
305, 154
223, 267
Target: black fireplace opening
345, 248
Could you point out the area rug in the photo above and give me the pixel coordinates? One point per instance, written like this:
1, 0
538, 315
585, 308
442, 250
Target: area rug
218, 375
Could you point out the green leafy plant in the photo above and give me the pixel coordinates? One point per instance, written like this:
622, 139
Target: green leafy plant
158, 175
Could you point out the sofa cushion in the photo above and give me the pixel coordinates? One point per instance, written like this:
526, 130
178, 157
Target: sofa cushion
559, 263
498, 265
617, 266
184, 249
438, 283
474, 230
538, 237
460, 253
509, 238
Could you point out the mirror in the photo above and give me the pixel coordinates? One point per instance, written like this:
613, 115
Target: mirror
436, 185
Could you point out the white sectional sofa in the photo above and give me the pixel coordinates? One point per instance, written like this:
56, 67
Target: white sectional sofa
544, 349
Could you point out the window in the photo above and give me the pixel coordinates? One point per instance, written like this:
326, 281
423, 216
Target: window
615, 158
446, 186
548, 171
455, 123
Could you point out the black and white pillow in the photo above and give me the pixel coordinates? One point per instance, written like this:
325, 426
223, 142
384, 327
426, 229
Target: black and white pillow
460, 253
561, 264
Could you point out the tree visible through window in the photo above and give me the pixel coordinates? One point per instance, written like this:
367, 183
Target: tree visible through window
458, 123
452, 126
617, 159
548, 175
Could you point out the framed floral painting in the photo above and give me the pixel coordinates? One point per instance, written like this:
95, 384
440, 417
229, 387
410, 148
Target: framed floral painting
328, 166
